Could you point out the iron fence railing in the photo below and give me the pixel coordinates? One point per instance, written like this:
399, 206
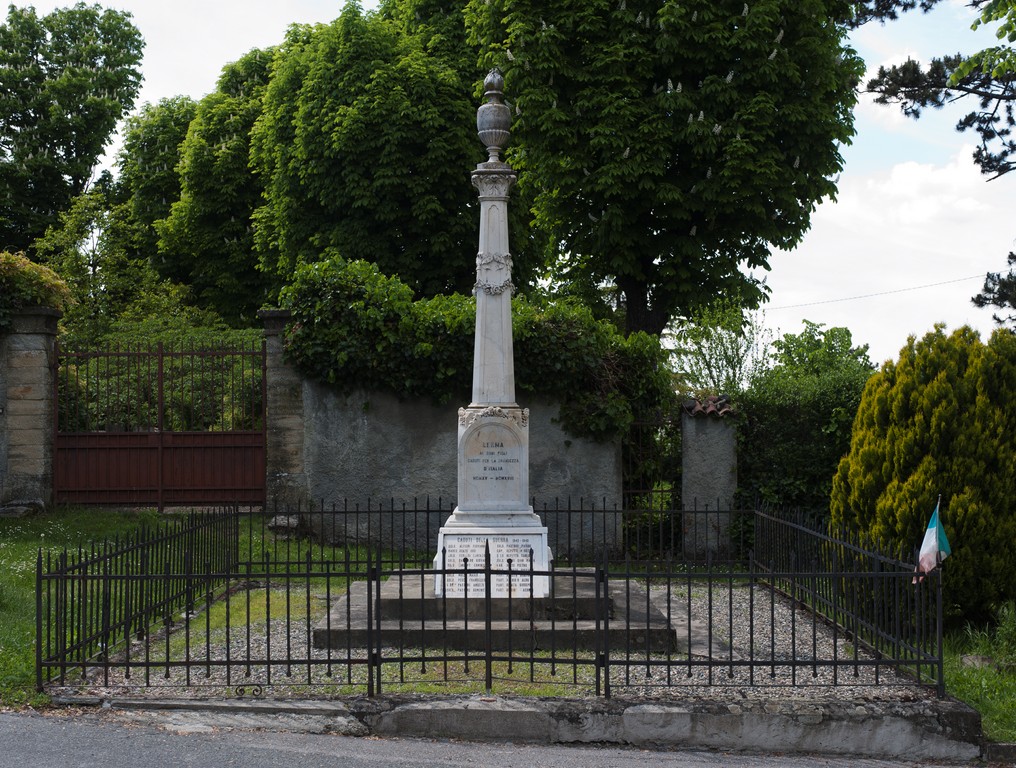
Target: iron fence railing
342, 600
160, 388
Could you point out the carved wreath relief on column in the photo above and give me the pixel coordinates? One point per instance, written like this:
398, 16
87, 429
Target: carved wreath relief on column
520, 416
496, 265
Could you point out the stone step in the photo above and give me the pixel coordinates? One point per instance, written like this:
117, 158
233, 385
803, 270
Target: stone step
410, 616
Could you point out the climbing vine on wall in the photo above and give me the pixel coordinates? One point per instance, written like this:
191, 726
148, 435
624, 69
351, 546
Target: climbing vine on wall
23, 283
355, 329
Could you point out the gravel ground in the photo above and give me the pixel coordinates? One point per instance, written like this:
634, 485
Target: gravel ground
760, 648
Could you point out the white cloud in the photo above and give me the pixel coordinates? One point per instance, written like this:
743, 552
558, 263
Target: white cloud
891, 233
916, 194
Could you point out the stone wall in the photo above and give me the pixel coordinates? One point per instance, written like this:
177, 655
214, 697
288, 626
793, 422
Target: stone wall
286, 482
372, 446
26, 409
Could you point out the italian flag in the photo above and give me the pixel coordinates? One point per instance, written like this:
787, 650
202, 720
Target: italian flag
935, 547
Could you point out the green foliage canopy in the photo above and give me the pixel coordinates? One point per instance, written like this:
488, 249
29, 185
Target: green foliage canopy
941, 420
207, 240
148, 180
113, 285
66, 79
87, 246
671, 145
797, 417
355, 328
365, 146
721, 349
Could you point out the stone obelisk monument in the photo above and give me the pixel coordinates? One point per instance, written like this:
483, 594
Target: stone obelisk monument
493, 437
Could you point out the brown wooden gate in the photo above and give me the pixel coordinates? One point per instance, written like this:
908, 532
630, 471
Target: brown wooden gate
160, 427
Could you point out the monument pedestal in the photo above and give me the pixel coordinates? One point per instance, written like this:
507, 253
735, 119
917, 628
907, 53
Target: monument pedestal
493, 513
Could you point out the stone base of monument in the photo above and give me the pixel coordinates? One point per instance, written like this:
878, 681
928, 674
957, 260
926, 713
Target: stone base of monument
413, 615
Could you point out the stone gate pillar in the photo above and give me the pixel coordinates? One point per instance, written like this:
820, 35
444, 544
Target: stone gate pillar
709, 476
27, 412
286, 480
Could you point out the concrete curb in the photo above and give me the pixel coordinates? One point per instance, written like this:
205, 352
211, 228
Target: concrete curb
1000, 753
922, 730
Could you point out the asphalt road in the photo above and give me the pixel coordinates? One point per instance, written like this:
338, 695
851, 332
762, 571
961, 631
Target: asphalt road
96, 741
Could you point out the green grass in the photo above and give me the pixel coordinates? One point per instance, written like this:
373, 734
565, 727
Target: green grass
20, 541
421, 672
991, 688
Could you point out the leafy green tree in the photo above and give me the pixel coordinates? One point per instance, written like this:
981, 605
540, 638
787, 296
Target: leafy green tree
112, 286
365, 148
998, 60
104, 244
86, 248
940, 420
207, 241
721, 349
148, 180
439, 25
671, 145
885, 10
66, 79
796, 418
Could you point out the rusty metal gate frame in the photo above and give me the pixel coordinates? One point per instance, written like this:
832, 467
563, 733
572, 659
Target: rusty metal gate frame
147, 460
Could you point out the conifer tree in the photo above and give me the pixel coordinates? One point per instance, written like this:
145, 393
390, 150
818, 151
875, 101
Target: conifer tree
940, 420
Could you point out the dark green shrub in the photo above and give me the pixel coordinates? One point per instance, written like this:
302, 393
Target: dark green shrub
355, 328
796, 417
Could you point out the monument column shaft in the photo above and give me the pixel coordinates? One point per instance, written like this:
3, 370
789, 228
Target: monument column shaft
493, 353
493, 515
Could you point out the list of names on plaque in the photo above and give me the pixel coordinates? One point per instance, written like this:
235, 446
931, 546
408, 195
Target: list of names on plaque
467, 553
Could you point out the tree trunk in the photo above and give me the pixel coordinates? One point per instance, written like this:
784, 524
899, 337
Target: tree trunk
640, 315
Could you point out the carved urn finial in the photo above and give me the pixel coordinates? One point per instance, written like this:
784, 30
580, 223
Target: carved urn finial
494, 118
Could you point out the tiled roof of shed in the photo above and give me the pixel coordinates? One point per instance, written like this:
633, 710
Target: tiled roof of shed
713, 405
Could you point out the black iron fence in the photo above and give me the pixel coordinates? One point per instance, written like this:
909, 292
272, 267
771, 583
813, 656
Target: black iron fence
347, 600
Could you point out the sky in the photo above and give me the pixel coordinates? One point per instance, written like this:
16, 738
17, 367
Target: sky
907, 242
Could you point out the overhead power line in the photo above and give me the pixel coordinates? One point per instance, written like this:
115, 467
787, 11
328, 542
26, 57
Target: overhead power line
880, 293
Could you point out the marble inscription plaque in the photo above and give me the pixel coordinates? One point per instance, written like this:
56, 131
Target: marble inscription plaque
492, 457
467, 551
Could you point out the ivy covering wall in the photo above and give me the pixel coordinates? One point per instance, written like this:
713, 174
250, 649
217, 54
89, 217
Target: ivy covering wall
355, 328
23, 283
